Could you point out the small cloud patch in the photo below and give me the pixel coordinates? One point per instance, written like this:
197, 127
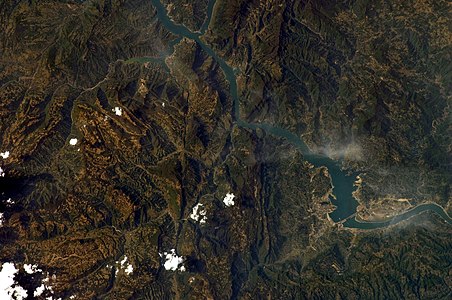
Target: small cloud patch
2, 173
45, 285
129, 270
199, 213
124, 265
123, 261
5, 154
39, 290
73, 142
228, 200
117, 110
172, 261
30, 269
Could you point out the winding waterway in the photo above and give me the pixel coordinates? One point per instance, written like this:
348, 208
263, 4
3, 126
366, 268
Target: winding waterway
343, 183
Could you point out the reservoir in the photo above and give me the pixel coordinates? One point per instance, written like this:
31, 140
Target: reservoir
343, 183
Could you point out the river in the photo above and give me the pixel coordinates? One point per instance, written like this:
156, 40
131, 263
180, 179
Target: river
343, 183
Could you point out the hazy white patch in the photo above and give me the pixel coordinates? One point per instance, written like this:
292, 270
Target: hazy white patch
173, 262
30, 269
8, 290
352, 151
229, 199
73, 142
9, 201
199, 213
163, 104
117, 110
1, 219
2, 173
4, 155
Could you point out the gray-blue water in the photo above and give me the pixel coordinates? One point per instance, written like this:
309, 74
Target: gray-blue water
342, 182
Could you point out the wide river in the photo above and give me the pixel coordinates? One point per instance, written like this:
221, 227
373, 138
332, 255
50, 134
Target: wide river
343, 183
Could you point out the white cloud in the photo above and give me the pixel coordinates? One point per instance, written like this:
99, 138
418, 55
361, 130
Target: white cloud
6, 277
199, 213
30, 269
8, 290
117, 110
39, 290
2, 173
18, 292
4, 155
229, 199
129, 269
126, 266
123, 261
45, 284
172, 261
73, 142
